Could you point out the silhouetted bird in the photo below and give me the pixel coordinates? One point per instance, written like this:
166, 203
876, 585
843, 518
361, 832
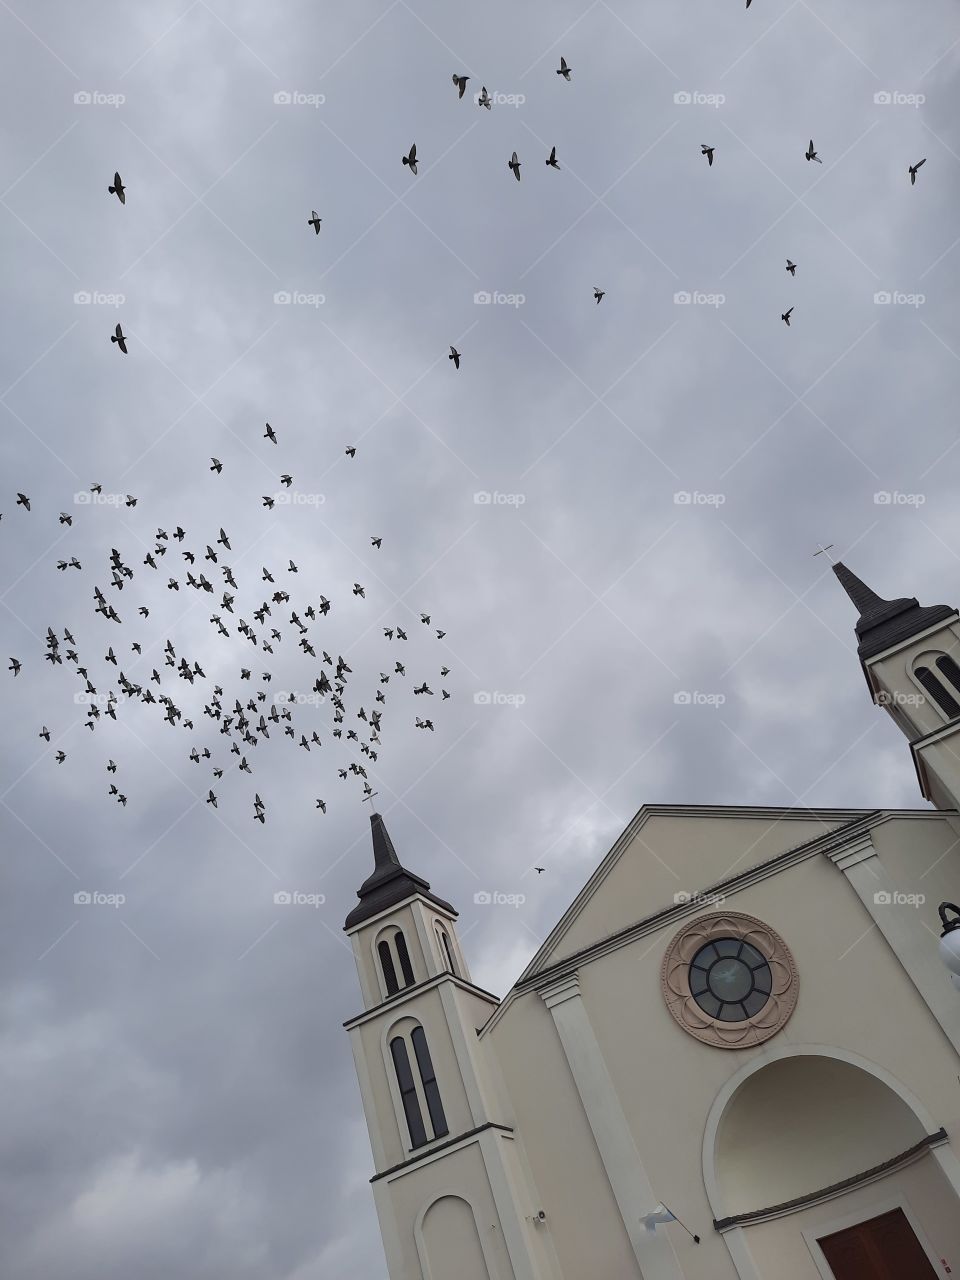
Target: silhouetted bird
791, 267
707, 151
786, 317
118, 189
514, 164
314, 221
119, 339
461, 83
551, 159
455, 357
811, 154
411, 159
913, 171
564, 70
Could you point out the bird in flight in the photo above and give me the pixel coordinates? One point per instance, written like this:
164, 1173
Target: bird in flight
375, 542
15, 666
748, 3
786, 317
707, 151
23, 501
351, 451
118, 189
913, 171
411, 159
811, 154
514, 164
461, 83
540, 870
270, 434
455, 357
564, 70
119, 338
791, 267
314, 221
484, 98
216, 465
598, 294
551, 160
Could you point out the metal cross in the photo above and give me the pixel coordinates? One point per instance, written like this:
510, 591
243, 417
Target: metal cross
823, 550
370, 798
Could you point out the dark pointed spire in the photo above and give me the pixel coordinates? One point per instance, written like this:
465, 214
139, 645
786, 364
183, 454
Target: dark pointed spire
885, 623
389, 883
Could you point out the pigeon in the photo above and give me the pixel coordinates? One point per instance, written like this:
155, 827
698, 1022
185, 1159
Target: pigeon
913, 171
359, 591
441, 634
65, 519
811, 154
786, 317
708, 152
322, 805
375, 542
286, 481
270, 434
118, 189
791, 267
60, 757
455, 357
540, 870
351, 451
514, 164
216, 465
598, 294
411, 159
119, 338
461, 83
44, 733
314, 221
211, 799
268, 502
748, 3
484, 99
564, 70
23, 501
551, 159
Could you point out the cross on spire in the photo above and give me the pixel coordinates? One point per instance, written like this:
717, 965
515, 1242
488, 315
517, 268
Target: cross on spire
370, 798
821, 550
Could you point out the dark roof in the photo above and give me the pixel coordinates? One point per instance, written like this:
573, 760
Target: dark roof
389, 883
884, 623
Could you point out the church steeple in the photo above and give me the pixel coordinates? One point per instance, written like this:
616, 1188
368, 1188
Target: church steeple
885, 623
389, 883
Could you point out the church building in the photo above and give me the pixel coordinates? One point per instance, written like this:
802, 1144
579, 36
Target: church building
735, 1057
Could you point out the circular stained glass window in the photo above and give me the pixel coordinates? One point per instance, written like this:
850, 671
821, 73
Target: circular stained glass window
730, 980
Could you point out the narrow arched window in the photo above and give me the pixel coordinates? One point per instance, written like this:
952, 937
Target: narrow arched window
408, 1091
386, 964
944, 700
404, 956
950, 669
448, 951
431, 1090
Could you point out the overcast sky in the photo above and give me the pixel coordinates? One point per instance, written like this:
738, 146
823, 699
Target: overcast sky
183, 1096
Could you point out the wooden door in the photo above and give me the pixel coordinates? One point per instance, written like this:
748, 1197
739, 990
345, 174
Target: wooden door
883, 1248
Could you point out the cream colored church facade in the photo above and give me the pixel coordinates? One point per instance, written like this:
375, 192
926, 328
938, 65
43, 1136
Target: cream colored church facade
742, 1016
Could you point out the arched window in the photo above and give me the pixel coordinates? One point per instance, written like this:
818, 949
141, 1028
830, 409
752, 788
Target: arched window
386, 964
950, 669
446, 951
937, 691
405, 966
408, 1091
431, 1090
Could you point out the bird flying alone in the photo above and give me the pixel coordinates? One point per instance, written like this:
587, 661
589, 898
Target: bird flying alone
564, 70
791, 267
811, 154
786, 317
314, 221
708, 152
120, 339
118, 189
913, 171
455, 357
461, 83
483, 100
551, 159
410, 160
598, 294
514, 164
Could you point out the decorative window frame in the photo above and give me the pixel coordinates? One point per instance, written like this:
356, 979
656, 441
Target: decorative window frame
389, 934
683, 1008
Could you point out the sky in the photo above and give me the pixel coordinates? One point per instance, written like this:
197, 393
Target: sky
611, 509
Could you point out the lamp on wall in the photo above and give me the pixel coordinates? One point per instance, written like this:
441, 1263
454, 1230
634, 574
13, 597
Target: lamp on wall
950, 940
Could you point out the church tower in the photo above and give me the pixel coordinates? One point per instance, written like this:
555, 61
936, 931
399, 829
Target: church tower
910, 655
449, 1179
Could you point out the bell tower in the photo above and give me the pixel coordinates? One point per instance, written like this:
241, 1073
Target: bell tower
910, 655
448, 1171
